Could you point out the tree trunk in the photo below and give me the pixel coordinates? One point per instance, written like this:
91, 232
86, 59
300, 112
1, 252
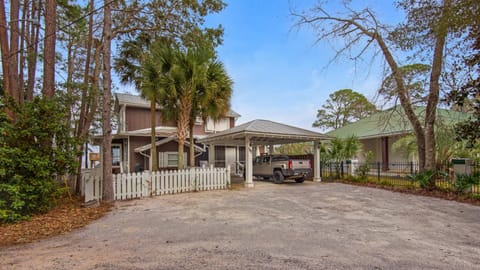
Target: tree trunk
153, 124
5, 50
68, 84
83, 124
107, 100
181, 145
23, 35
49, 48
32, 49
192, 144
433, 96
10, 51
86, 76
182, 127
14, 49
92, 101
70, 62
404, 101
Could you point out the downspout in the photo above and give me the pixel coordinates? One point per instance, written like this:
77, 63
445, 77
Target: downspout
145, 155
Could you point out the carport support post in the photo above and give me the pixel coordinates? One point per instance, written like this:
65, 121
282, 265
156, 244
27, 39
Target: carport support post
248, 163
317, 177
211, 155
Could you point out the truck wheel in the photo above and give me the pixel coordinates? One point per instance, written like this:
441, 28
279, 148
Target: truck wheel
278, 177
300, 180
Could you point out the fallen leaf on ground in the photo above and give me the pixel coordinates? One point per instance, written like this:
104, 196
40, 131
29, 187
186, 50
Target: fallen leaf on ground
64, 218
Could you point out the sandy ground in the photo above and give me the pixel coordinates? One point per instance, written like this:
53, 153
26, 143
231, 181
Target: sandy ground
289, 226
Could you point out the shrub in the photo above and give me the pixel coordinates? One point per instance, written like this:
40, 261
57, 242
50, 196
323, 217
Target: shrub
464, 182
426, 179
34, 151
422, 178
364, 169
385, 182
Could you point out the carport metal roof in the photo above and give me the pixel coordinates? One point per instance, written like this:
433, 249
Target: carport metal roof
263, 132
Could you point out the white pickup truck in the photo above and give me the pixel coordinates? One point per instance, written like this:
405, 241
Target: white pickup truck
281, 167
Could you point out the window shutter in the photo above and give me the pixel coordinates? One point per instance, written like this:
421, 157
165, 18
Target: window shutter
160, 160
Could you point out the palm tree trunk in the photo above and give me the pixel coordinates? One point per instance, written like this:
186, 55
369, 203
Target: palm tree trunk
153, 123
192, 148
182, 127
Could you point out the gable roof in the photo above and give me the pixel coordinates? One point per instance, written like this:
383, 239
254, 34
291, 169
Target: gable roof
393, 122
164, 141
263, 132
138, 101
131, 100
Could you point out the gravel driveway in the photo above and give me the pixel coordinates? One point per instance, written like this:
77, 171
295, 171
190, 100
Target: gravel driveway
290, 226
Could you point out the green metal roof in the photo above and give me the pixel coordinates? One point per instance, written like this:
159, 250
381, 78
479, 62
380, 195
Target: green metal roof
393, 122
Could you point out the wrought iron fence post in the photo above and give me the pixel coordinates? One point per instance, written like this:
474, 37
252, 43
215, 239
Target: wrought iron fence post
321, 169
411, 167
329, 169
378, 170
341, 169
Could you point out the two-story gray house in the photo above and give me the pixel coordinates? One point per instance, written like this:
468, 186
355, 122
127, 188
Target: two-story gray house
131, 144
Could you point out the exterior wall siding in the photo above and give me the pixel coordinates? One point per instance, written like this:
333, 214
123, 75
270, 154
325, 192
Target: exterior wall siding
375, 145
139, 118
136, 159
395, 157
200, 130
136, 118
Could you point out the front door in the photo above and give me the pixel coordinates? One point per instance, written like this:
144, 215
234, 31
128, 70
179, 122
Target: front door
230, 158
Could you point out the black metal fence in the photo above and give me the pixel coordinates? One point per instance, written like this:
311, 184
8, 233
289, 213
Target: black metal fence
396, 174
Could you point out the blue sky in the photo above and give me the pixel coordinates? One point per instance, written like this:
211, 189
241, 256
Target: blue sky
279, 73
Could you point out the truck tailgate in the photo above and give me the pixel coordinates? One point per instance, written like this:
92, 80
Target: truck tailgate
300, 164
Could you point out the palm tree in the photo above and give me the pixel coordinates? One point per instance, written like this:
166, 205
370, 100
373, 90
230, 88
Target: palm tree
137, 65
342, 149
150, 90
187, 72
211, 100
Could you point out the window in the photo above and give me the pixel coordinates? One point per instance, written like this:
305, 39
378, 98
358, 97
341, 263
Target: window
172, 159
279, 158
116, 154
198, 121
219, 125
169, 159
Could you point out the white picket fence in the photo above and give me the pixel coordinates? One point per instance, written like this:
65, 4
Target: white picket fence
137, 185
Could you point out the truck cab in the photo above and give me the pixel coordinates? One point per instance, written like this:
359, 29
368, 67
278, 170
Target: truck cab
281, 167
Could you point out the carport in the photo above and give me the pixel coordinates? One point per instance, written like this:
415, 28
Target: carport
267, 133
